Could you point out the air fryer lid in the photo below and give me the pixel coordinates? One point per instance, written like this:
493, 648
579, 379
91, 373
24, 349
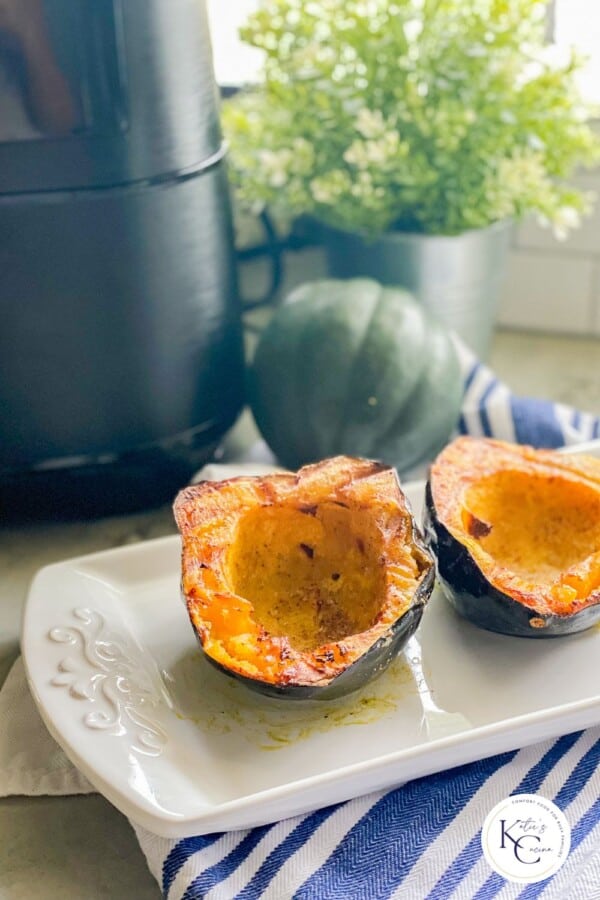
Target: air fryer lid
107, 92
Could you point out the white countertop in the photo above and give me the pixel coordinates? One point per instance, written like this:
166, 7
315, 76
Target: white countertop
81, 848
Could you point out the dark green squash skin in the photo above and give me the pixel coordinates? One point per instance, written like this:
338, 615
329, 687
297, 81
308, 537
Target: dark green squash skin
355, 677
355, 368
473, 597
365, 669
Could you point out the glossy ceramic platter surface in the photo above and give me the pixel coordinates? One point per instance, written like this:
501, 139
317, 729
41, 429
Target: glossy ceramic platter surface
118, 678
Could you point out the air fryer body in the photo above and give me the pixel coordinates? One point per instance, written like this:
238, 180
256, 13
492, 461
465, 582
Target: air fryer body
120, 348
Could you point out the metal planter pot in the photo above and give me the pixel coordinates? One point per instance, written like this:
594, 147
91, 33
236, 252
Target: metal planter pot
457, 277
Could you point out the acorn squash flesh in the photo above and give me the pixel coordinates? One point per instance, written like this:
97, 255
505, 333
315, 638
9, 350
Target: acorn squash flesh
303, 585
516, 534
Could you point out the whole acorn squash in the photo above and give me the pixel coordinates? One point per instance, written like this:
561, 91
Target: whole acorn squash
351, 367
303, 585
516, 533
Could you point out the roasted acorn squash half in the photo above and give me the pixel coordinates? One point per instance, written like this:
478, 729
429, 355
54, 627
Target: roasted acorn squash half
303, 585
516, 533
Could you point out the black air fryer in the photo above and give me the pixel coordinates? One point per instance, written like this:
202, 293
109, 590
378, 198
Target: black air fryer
120, 339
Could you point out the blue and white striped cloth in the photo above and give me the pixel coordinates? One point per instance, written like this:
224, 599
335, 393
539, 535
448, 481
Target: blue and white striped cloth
421, 840
489, 409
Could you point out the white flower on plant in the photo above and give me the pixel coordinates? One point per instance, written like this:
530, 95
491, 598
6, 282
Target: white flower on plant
565, 218
293, 17
363, 154
535, 142
278, 178
313, 9
326, 189
365, 189
303, 156
363, 185
412, 29
310, 57
276, 165
369, 122
356, 154
522, 173
366, 9
322, 191
384, 149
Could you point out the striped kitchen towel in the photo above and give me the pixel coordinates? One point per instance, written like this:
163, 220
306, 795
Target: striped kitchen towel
418, 841
421, 840
489, 409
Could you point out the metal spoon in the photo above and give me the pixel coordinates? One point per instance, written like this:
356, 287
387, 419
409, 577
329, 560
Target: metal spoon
438, 722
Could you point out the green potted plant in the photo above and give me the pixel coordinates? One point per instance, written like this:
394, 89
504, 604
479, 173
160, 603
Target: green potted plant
415, 132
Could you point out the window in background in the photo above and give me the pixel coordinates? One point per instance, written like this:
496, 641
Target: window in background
235, 62
577, 23
574, 23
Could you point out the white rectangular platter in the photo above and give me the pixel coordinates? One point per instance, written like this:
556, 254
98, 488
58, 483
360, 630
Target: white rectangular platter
118, 678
